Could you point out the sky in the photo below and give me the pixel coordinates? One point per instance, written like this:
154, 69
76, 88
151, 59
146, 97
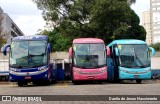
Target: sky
29, 19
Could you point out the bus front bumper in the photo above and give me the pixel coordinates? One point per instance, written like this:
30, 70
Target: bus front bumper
14, 77
144, 76
80, 77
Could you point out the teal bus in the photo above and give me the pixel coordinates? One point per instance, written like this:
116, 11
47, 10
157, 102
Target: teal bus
129, 59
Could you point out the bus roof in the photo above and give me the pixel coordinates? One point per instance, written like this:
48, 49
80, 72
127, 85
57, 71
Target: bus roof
126, 41
88, 40
33, 37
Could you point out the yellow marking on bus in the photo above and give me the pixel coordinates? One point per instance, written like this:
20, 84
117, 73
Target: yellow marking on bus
119, 47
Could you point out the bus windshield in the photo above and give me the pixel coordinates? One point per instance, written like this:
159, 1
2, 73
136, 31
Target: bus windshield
134, 56
89, 55
28, 54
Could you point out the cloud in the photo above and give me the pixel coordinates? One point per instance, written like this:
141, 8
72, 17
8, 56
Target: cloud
29, 24
20, 7
140, 6
25, 15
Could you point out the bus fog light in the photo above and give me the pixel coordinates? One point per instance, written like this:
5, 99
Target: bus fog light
103, 71
46, 75
148, 70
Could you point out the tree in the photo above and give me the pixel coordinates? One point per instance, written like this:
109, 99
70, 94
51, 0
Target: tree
156, 46
106, 19
58, 42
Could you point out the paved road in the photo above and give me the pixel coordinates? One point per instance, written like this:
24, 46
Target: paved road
67, 88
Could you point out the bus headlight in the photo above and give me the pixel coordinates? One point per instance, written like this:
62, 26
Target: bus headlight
43, 68
148, 70
103, 70
125, 71
13, 69
77, 71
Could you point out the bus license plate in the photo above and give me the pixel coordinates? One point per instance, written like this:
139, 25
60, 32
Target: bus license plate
28, 77
90, 77
136, 76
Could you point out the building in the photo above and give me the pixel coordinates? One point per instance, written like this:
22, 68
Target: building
8, 28
146, 23
155, 20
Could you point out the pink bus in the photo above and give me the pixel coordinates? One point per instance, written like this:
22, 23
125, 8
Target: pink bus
88, 57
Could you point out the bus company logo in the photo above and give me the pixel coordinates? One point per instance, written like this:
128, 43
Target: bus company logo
6, 98
27, 73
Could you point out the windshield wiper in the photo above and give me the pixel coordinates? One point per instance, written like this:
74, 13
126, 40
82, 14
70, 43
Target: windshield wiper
93, 58
142, 66
17, 66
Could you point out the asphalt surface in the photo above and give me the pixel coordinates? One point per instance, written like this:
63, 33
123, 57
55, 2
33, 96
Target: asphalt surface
150, 87
126, 88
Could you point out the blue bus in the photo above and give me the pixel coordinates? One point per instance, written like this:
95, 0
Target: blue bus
129, 60
29, 60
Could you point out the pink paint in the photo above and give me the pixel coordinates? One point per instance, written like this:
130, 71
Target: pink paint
88, 40
90, 74
108, 51
70, 52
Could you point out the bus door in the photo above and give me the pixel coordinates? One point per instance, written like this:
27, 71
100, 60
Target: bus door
115, 62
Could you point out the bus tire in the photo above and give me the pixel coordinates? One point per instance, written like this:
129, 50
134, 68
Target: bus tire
75, 82
138, 81
20, 84
99, 82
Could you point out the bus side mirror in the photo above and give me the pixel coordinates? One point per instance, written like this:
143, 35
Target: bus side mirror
108, 52
5, 49
49, 47
116, 51
70, 52
152, 50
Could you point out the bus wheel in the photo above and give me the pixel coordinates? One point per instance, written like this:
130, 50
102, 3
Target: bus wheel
20, 84
75, 82
139, 81
99, 82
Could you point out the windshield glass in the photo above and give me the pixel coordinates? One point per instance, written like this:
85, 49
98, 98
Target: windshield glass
134, 56
28, 53
89, 55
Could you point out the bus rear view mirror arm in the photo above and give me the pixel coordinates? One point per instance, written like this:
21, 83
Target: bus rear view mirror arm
5, 49
116, 51
70, 52
49, 47
107, 51
152, 50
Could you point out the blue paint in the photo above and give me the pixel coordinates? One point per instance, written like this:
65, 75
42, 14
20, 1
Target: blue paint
129, 73
126, 41
60, 74
38, 77
115, 71
5, 49
34, 37
36, 73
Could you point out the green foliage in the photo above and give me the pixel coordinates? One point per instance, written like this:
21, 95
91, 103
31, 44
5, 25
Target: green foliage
2, 41
156, 46
105, 19
58, 42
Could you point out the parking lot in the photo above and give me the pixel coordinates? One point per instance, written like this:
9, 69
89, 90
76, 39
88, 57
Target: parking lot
148, 87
